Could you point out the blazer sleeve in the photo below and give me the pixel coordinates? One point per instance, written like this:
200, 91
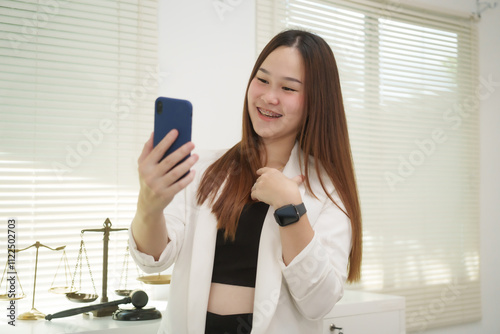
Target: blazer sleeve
175, 218
316, 276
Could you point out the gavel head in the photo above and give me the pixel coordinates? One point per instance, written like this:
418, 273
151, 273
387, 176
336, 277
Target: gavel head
139, 298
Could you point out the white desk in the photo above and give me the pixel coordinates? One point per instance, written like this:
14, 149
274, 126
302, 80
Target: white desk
365, 312
357, 312
78, 324
85, 324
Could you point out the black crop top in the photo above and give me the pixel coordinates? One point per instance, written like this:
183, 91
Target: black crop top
235, 261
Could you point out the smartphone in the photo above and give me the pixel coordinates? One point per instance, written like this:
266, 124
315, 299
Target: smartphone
173, 114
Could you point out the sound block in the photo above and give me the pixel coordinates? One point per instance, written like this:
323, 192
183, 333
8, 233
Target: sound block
105, 312
136, 314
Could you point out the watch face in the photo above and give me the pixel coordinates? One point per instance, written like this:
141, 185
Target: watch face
287, 215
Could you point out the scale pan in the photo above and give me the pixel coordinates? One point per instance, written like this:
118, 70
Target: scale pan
123, 292
17, 297
155, 279
78, 297
61, 289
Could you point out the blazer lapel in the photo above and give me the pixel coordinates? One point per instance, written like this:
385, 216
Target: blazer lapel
268, 281
292, 169
200, 278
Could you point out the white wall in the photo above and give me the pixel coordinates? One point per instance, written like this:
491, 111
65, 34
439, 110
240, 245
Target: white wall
208, 53
209, 57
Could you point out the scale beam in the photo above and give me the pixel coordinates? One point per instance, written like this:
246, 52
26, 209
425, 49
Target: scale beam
38, 245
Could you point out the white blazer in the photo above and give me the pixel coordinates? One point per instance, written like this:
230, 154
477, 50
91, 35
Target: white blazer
288, 299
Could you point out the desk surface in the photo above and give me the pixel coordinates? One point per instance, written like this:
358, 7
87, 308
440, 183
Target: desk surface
85, 324
353, 303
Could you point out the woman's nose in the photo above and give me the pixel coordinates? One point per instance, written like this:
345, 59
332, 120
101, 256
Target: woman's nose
270, 97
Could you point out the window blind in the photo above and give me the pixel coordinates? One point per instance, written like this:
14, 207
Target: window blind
77, 89
411, 91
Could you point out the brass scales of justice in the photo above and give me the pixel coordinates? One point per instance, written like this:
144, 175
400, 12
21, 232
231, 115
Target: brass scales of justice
75, 295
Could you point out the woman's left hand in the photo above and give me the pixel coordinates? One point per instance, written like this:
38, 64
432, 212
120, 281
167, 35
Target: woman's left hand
275, 189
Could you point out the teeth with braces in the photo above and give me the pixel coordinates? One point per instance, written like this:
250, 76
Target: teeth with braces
268, 113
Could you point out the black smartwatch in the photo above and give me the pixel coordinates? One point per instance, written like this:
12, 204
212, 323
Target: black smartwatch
289, 214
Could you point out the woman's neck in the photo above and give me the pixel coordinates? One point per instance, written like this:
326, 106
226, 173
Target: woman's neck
278, 153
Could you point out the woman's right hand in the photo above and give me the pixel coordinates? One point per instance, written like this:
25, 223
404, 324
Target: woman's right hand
157, 178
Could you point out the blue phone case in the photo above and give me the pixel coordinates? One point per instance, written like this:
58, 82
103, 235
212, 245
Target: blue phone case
173, 114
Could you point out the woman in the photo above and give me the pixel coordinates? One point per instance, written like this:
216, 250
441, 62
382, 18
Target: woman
265, 237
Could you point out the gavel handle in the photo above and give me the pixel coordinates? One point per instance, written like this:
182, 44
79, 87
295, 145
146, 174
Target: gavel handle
79, 310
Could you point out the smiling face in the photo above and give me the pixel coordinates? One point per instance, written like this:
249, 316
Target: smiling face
276, 96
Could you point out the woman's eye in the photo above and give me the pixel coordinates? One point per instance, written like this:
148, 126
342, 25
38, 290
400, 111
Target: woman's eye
262, 80
289, 89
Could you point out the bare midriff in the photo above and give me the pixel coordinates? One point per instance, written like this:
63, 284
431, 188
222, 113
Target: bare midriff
228, 299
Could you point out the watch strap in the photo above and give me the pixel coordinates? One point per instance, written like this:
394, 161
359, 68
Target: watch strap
301, 209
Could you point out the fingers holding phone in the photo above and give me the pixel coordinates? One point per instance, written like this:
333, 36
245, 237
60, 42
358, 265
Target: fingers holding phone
161, 180
176, 166
174, 158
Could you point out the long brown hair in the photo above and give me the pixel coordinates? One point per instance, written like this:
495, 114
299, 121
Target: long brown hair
323, 137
